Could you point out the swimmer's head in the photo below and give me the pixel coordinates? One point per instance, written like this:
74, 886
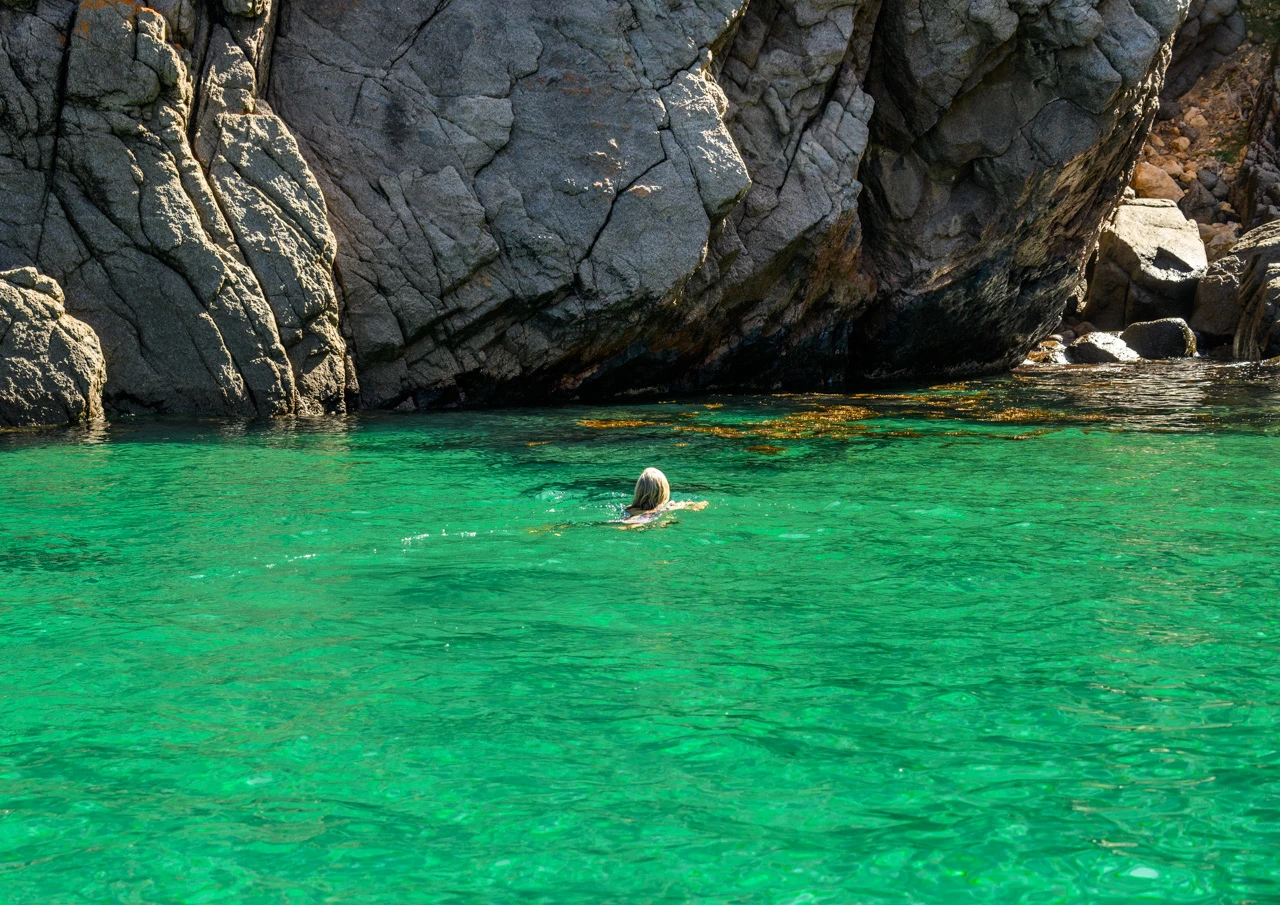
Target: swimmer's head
652, 491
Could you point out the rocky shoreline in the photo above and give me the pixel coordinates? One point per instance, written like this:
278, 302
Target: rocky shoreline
270, 207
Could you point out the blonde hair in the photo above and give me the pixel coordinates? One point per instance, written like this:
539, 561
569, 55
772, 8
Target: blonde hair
652, 491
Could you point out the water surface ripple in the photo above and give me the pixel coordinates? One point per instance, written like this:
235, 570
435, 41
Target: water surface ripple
1011, 640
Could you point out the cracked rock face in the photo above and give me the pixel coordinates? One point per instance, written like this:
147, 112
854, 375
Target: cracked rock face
254, 202
534, 200
207, 281
51, 366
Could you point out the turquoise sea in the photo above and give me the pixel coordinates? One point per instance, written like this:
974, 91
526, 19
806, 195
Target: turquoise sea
1003, 641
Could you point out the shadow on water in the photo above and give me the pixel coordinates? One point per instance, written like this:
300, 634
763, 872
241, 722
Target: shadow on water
1152, 396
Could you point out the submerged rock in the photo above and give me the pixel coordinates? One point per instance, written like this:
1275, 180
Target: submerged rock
1101, 348
1166, 338
1150, 258
51, 366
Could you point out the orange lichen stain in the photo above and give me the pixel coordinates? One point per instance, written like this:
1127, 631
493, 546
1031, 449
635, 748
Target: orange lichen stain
574, 84
604, 424
89, 6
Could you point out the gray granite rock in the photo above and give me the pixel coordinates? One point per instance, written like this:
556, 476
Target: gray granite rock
51, 366
1101, 348
485, 200
207, 278
1004, 134
277, 213
536, 199
1166, 338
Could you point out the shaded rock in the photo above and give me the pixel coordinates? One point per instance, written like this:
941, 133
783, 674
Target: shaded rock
1167, 338
1237, 296
1198, 203
1003, 134
51, 366
1212, 31
1100, 348
1257, 255
1256, 193
1150, 258
1150, 181
1216, 310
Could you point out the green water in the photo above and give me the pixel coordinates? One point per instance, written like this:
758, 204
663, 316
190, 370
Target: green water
1004, 641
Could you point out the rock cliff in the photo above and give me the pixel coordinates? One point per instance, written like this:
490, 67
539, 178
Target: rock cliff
268, 207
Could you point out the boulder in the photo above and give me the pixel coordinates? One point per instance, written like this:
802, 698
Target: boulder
1216, 310
1150, 181
1244, 279
1166, 338
1219, 239
1198, 203
1101, 348
1150, 258
51, 366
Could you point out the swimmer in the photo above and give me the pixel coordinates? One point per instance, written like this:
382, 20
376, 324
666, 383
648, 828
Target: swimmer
653, 499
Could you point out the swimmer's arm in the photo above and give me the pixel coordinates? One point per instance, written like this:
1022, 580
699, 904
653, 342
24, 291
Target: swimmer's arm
693, 505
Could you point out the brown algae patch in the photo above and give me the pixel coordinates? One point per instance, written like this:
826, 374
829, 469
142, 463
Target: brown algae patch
715, 430
604, 424
766, 450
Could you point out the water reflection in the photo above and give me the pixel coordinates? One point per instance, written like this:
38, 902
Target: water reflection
1157, 396
1186, 396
